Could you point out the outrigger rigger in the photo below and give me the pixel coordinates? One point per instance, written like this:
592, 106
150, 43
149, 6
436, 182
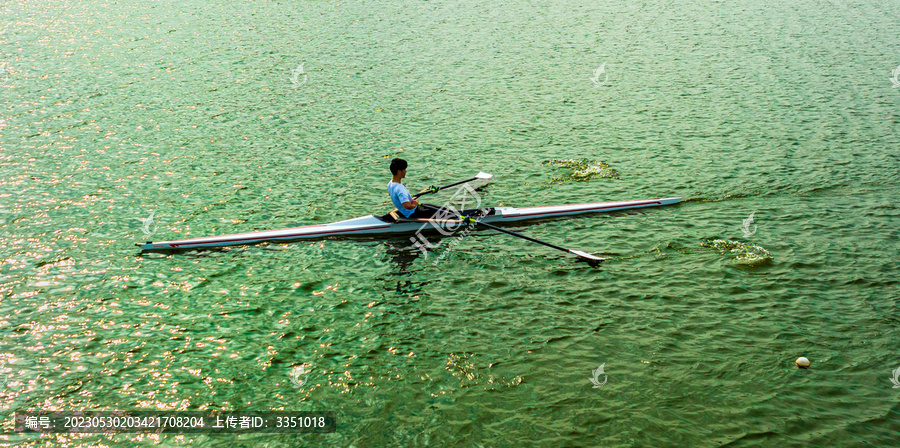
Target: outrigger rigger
392, 223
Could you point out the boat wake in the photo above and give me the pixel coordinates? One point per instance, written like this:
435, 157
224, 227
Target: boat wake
583, 170
742, 254
748, 255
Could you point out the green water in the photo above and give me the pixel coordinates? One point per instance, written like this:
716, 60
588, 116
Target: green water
187, 110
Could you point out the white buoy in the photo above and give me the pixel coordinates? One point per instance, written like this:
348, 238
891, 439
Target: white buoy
802, 362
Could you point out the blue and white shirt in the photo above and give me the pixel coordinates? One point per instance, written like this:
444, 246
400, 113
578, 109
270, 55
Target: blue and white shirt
399, 195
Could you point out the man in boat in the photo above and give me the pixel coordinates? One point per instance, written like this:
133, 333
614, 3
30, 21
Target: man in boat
406, 205
410, 208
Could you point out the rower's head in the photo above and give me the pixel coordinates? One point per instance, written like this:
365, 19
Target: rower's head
398, 167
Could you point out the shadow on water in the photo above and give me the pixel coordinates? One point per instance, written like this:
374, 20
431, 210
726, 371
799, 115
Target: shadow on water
402, 255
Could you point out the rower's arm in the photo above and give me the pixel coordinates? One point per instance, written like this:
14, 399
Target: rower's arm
410, 205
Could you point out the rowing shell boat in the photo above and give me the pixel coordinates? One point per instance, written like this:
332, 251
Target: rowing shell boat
372, 225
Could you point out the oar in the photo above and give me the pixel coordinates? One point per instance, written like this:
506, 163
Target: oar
591, 259
433, 189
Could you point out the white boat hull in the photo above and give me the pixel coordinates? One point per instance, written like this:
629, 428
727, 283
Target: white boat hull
373, 226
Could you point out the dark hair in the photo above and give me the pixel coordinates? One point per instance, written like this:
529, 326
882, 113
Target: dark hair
397, 165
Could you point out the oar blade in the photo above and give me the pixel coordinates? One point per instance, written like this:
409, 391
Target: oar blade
484, 176
587, 256
481, 179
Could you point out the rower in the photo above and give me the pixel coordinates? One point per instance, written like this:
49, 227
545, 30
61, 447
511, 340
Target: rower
410, 209
406, 205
